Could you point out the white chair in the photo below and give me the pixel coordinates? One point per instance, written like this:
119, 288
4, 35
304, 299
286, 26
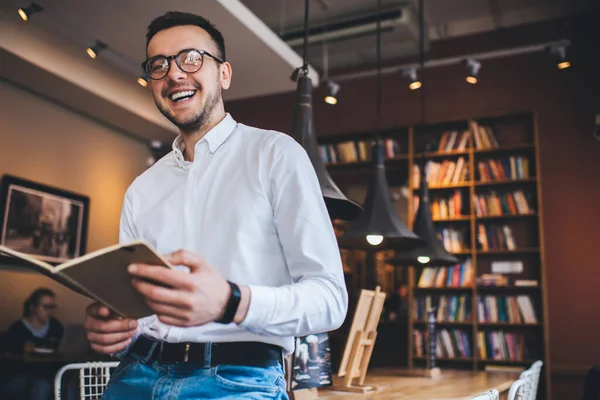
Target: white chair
526, 387
93, 378
489, 395
518, 390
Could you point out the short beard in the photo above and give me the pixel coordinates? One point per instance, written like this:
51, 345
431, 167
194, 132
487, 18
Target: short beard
198, 121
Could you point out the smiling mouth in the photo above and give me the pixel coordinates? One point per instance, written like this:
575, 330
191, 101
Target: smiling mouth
182, 96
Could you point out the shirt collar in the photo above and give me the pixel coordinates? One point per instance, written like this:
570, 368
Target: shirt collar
214, 138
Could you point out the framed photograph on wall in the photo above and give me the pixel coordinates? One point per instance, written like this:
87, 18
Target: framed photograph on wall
43, 221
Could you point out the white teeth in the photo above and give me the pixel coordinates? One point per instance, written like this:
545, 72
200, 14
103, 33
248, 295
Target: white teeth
178, 95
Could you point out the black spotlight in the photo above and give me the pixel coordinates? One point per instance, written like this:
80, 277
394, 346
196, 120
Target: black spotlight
332, 91
95, 49
473, 66
27, 12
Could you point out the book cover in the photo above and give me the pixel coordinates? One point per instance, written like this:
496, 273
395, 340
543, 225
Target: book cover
102, 275
312, 362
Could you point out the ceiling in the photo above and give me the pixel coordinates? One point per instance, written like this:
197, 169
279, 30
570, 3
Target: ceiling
263, 39
121, 25
443, 19
53, 42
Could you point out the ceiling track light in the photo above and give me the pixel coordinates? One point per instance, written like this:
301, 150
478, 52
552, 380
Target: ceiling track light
557, 47
332, 91
143, 81
560, 53
94, 50
414, 82
27, 12
473, 66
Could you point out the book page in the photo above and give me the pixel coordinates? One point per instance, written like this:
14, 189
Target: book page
37, 264
43, 268
104, 274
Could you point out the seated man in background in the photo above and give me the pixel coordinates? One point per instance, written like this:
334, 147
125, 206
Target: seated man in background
36, 331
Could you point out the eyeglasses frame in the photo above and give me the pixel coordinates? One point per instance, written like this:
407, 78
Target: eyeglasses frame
176, 58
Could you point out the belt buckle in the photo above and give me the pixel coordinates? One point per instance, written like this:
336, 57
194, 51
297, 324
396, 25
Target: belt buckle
186, 352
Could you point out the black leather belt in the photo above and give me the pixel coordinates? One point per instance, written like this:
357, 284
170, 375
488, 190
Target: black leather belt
255, 354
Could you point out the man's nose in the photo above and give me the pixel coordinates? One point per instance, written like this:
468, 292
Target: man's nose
175, 73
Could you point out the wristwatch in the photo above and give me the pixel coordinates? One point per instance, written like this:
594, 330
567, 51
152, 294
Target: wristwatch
232, 304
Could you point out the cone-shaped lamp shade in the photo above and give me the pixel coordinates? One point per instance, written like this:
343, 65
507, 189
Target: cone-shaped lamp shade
303, 131
433, 253
379, 227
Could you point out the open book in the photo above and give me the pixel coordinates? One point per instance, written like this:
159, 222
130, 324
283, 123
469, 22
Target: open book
102, 275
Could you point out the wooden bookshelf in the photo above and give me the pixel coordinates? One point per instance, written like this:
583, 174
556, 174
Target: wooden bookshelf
505, 175
510, 167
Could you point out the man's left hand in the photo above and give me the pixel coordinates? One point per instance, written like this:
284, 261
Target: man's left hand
191, 299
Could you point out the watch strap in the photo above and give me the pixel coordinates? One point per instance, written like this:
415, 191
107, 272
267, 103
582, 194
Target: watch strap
232, 305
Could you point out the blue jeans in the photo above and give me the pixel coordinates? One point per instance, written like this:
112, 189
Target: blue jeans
136, 378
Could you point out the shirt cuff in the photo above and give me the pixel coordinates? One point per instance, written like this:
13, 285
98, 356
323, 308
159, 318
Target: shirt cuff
262, 299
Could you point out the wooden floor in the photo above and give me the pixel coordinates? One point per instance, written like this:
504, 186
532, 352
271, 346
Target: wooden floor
399, 384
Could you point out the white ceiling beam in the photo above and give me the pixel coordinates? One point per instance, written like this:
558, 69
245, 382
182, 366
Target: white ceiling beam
257, 27
42, 49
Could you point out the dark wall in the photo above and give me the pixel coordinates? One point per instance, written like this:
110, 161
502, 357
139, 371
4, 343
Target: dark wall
565, 102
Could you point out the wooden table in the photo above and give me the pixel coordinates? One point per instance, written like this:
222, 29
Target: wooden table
34, 358
453, 385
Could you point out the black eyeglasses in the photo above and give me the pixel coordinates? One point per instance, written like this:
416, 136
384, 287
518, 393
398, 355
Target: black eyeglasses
48, 306
188, 60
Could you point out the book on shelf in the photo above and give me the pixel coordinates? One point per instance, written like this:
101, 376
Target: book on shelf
506, 309
509, 203
443, 206
500, 345
450, 343
350, 151
443, 173
102, 275
454, 239
455, 276
484, 136
526, 283
494, 237
495, 280
502, 281
501, 169
454, 140
453, 308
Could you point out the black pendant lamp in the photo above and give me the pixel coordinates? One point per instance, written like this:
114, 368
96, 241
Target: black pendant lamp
379, 227
338, 205
433, 253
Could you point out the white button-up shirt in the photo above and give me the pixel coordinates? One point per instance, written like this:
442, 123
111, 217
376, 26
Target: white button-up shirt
250, 204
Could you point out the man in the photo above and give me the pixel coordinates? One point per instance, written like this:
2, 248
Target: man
245, 206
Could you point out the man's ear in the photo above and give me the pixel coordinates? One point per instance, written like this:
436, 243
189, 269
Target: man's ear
226, 74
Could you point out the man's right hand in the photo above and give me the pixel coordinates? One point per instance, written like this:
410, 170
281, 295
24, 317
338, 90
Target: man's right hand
107, 333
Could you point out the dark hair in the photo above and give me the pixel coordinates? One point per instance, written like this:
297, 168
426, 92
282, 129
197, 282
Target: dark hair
34, 299
176, 18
